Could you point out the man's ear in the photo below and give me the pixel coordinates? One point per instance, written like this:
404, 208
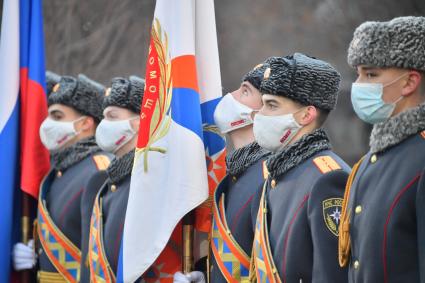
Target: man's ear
307, 116
135, 124
87, 124
412, 84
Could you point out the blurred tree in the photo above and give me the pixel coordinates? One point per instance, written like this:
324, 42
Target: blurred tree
109, 38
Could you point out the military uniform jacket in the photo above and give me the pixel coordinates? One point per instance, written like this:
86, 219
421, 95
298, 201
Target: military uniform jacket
387, 204
245, 178
301, 206
73, 167
113, 194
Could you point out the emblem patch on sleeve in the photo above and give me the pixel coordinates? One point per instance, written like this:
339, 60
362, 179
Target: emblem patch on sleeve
332, 208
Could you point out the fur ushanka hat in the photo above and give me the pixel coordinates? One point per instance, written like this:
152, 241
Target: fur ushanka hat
82, 94
397, 43
305, 79
126, 93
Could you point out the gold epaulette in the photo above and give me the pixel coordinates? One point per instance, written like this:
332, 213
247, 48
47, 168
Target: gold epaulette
265, 171
101, 161
326, 164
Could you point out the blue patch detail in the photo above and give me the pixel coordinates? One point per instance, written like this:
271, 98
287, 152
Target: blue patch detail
244, 271
226, 248
55, 253
51, 238
185, 110
215, 242
229, 266
215, 225
73, 272
68, 257
213, 143
101, 274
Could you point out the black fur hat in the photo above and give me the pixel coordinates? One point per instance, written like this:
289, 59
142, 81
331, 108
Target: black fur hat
305, 79
51, 80
256, 75
397, 43
126, 93
82, 94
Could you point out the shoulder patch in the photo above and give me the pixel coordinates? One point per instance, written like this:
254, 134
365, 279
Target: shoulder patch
423, 134
326, 164
101, 162
265, 171
332, 209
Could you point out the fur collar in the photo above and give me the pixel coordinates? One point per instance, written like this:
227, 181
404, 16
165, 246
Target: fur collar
294, 154
65, 158
396, 129
241, 159
120, 167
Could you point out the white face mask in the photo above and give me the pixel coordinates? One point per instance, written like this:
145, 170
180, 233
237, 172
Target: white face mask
112, 135
230, 114
55, 134
275, 132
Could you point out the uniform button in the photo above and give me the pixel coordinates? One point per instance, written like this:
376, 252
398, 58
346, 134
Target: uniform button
59, 174
374, 158
40, 251
358, 209
356, 264
113, 188
234, 179
273, 183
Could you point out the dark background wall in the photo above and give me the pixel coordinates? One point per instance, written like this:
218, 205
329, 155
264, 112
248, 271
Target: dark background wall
109, 38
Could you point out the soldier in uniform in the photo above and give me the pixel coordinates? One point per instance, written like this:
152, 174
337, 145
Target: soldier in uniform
296, 231
68, 132
104, 213
233, 205
382, 233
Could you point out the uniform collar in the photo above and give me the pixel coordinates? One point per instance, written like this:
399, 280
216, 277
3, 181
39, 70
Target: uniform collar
296, 153
242, 158
398, 128
65, 158
120, 167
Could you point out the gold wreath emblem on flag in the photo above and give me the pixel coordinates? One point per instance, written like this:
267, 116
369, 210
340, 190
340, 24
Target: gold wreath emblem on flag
161, 117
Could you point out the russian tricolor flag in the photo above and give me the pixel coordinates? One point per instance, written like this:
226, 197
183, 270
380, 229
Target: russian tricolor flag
23, 106
172, 174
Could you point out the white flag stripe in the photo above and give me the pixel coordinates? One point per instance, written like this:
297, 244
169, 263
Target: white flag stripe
163, 191
177, 19
207, 59
9, 60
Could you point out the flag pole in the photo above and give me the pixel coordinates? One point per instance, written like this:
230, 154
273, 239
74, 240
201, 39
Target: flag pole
26, 275
25, 220
188, 232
